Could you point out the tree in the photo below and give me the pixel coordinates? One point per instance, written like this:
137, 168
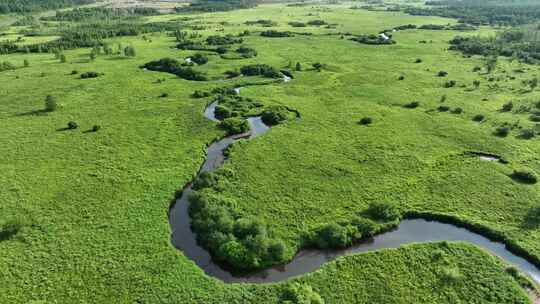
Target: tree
26, 63
476, 84
93, 55
62, 58
384, 211
491, 64
129, 51
298, 67
50, 103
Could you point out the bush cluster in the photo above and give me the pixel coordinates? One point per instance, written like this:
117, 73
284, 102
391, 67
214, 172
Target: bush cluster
373, 39
173, 66
199, 59
276, 34
223, 40
274, 115
260, 69
89, 75
234, 125
246, 52
231, 105
242, 243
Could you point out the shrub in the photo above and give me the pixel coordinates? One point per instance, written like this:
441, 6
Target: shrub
331, 236
96, 128
205, 180
300, 293
275, 115
442, 74
297, 24
412, 105
366, 121
476, 69
232, 73
478, 118
74, 72
526, 134
316, 22
298, 67
384, 211
9, 228
365, 227
89, 75
507, 107
450, 84
222, 50
222, 112
525, 176
129, 51
535, 117
235, 125
199, 59
401, 77
443, 108
200, 94
418, 60
72, 125
163, 95
50, 103
502, 131
443, 98
457, 111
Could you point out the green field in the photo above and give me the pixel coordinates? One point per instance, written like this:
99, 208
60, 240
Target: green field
93, 205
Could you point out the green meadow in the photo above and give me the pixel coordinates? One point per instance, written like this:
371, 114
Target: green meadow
91, 208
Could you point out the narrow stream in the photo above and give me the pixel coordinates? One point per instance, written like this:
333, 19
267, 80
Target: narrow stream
409, 231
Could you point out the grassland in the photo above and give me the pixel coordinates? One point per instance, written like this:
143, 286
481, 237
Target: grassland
93, 205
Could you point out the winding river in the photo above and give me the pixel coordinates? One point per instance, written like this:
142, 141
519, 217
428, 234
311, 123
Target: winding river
409, 231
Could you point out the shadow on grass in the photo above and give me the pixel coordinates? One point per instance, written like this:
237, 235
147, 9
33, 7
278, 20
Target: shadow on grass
117, 58
33, 112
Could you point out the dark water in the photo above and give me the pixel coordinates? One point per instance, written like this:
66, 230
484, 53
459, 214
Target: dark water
409, 231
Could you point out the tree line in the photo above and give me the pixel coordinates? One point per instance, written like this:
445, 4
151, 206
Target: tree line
482, 12
101, 13
26, 6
